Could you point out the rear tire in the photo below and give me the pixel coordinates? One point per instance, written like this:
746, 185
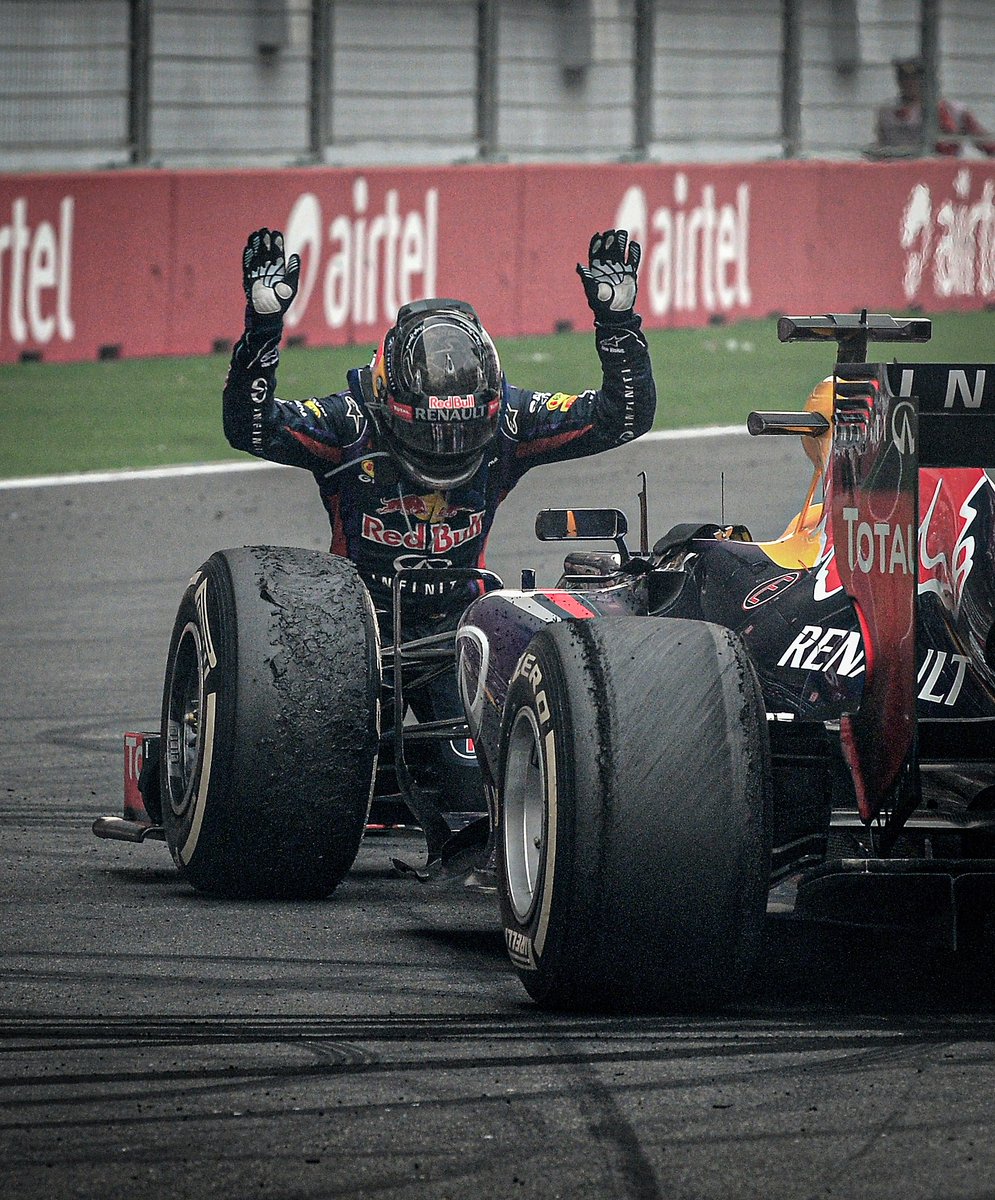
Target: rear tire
634, 834
270, 723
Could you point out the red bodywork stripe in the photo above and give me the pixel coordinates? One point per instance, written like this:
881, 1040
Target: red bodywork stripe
848, 736
570, 604
865, 633
851, 753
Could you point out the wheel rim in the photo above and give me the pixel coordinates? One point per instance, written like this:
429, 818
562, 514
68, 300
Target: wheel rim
183, 726
524, 813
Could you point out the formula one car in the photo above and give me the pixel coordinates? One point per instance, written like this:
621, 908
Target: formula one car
668, 738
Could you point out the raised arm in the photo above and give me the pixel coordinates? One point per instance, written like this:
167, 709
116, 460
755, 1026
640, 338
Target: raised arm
550, 427
299, 433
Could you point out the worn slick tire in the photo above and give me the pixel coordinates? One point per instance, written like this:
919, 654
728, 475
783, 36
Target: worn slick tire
634, 833
270, 723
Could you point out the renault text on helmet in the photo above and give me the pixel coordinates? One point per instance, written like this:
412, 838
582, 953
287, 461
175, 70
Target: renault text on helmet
436, 391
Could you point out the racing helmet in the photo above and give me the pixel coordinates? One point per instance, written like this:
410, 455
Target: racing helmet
436, 392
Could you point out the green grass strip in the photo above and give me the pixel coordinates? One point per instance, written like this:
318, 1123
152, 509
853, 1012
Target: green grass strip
94, 416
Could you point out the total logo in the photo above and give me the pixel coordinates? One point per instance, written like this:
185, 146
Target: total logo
879, 546
947, 542
431, 538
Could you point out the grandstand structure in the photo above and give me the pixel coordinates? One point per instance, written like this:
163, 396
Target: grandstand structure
221, 83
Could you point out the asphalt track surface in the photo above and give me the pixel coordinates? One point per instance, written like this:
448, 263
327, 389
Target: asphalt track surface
159, 1044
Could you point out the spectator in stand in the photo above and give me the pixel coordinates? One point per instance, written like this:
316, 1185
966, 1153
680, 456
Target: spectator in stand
899, 126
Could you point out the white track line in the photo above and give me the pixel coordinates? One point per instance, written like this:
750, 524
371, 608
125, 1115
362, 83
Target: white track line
255, 464
221, 468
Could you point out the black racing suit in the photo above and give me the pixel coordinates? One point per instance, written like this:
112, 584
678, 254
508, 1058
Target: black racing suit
381, 520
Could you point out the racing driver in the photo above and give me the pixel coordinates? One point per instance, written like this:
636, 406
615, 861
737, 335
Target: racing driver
414, 456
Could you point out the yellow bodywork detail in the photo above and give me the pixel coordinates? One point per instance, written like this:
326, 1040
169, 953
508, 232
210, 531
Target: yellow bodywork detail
802, 543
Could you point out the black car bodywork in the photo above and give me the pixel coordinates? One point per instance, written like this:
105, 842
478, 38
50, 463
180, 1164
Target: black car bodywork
862, 644
876, 658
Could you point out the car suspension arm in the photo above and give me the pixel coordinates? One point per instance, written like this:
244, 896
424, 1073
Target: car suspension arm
438, 832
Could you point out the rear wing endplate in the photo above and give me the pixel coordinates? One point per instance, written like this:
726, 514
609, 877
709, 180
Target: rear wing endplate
874, 512
956, 403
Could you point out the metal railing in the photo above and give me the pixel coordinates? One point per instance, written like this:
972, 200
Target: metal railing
41, 122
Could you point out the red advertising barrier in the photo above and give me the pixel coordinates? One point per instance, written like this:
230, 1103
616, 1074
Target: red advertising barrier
148, 262
84, 265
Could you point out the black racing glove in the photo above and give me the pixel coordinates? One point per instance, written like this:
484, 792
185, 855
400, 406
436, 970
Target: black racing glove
610, 277
270, 282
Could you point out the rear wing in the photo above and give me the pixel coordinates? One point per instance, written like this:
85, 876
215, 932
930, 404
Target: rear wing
889, 419
852, 331
956, 401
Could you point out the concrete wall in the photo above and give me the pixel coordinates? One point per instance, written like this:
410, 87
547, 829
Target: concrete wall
234, 82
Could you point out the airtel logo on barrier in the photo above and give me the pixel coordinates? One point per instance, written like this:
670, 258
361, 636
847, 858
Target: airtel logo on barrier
363, 265
695, 255
950, 239
36, 275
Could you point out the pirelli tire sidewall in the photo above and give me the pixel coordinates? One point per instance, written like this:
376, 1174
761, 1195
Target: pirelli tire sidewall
535, 939
643, 745
270, 723
201, 667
